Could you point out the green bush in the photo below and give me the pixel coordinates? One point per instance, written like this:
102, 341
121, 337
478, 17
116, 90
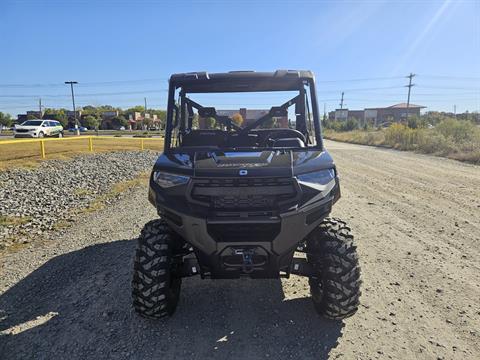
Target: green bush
457, 130
90, 122
402, 137
456, 139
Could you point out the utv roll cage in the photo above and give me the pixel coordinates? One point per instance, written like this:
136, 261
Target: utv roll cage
180, 114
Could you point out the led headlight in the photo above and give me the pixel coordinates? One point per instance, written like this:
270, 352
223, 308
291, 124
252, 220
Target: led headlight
167, 180
322, 177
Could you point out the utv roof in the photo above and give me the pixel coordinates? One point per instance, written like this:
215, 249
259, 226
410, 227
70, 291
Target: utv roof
241, 81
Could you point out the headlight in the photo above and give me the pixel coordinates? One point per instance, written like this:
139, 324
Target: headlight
322, 177
167, 180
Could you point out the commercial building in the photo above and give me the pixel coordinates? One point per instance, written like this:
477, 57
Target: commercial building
377, 116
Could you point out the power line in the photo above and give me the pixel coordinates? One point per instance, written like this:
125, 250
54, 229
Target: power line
87, 94
451, 88
466, 78
361, 89
360, 79
85, 84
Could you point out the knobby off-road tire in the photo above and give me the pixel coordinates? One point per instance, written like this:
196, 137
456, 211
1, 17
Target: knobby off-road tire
336, 289
155, 288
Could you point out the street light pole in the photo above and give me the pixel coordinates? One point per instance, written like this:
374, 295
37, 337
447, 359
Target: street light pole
73, 101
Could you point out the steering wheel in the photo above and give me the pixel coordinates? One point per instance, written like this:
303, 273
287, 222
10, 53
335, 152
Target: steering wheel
283, 133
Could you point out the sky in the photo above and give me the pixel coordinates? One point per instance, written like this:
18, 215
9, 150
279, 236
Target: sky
122, 51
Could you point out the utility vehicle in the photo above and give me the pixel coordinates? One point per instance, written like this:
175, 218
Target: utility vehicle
244, 189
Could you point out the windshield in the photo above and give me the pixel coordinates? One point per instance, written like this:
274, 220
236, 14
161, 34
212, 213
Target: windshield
32, 123
260, 119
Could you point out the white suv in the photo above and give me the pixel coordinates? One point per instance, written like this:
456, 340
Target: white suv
38, 128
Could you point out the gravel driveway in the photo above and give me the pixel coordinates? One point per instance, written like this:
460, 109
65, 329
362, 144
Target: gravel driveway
417, 222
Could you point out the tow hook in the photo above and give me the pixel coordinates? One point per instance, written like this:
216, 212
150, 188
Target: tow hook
247, 257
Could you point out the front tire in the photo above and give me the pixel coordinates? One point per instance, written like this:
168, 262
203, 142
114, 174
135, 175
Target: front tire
60, 135
155, 286
336, 289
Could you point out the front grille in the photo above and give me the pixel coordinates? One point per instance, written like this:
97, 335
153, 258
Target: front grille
243, 193
243, 202
244, 232
21, 130
242, 182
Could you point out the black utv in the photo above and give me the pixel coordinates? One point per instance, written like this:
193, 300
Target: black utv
241, 188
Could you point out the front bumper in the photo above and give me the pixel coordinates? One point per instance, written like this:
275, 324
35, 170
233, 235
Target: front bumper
268, 257
25, 135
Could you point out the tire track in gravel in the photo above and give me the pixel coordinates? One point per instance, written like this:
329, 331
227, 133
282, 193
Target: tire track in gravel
70, 297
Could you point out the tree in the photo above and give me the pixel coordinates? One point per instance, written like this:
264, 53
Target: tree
90, 122
138, 108
56, 114
237, 119
5, 120
210, 123
119, 121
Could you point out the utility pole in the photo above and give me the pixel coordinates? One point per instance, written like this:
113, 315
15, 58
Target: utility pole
40, 107
341, 101
324, 112
73, 101
455, 111
410, 77
145, 114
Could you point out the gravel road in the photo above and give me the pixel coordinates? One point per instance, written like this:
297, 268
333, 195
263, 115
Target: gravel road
417, 221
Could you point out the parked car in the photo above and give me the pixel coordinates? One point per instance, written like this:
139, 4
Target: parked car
81, 128
38, 128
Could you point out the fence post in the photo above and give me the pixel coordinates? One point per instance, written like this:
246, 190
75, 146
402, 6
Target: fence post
141, 144
42, 148
90, 143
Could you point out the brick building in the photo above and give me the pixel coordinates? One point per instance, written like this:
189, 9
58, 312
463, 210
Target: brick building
379, 115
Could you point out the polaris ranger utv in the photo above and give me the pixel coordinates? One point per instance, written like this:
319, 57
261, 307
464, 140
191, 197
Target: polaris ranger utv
240, 192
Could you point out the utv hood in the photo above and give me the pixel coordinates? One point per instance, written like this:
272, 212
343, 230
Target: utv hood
268, 163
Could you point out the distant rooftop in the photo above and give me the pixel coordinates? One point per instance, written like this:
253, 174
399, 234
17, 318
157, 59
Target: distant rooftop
398, 106
404, 106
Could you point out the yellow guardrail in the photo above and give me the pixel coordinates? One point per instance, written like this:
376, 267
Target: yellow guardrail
90, 141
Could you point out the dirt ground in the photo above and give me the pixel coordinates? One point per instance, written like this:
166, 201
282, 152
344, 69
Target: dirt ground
417, 223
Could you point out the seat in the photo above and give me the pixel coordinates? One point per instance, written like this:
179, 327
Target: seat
288, 143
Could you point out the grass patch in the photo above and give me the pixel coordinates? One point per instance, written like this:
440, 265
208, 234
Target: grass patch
459, 140
14, 220
27, 155
119, 188
82, 192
